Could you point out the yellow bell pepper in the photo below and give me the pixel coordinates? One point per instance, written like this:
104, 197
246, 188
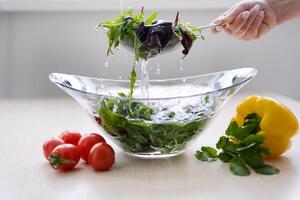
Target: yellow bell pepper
278, 124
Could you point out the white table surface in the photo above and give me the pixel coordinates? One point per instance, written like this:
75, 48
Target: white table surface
25, 174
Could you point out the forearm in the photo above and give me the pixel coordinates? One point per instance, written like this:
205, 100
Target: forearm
285, 9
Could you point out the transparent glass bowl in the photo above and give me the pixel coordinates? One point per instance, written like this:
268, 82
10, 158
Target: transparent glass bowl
163, 125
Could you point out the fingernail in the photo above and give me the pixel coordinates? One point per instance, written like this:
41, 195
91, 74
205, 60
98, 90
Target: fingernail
219, 28
220, 20
256, 7
245, 14
262, 13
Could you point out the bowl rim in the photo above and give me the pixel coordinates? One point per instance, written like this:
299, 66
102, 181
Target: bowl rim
251, 74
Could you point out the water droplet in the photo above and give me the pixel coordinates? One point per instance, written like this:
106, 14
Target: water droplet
107, 60
184, 80
102, 86
157, 71
106, 64
120, 77
181, 66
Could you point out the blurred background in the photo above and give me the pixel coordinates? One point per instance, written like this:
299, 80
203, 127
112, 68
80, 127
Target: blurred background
43, 36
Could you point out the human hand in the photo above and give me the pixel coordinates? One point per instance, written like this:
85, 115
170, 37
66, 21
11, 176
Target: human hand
247, 20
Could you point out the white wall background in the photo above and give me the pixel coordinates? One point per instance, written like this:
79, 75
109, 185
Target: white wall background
34, 44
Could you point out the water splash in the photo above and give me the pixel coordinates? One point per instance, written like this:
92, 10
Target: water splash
144, 78
181, 65
157, 71
106, 64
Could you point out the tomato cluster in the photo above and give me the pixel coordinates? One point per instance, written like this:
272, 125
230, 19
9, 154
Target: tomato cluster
65, 151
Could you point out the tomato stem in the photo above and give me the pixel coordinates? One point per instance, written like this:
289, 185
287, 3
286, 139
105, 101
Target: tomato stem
56, 161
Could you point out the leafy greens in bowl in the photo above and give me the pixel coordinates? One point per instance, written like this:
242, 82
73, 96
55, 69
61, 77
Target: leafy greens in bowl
162, 125
142, 130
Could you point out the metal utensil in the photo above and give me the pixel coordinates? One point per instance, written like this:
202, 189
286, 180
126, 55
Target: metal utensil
209, 26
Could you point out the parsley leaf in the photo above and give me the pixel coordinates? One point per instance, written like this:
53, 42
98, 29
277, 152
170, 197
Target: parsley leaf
250, 126
207, 154
266, 170
239, 168
226, 145
241, 147
225, 157
252, 156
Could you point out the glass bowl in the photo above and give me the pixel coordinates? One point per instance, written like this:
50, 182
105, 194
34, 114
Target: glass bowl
163, 125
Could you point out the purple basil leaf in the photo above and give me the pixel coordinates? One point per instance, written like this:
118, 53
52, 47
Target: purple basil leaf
142, 32
155, 36
186, 42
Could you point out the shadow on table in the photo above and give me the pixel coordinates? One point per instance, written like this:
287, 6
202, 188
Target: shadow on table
181, 177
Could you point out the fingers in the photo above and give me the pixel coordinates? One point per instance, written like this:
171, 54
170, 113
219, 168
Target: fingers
220, 20
245, 21
238, 23
234, 12
253, 32
252, 16
215, 29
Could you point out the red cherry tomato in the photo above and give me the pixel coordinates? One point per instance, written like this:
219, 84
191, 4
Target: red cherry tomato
70, 137
50, 144
86, 142
101, 156
64, 157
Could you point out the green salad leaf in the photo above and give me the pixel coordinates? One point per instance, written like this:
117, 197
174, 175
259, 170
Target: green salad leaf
148, 34
132, 81
129, 122
151, 18
241, 148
